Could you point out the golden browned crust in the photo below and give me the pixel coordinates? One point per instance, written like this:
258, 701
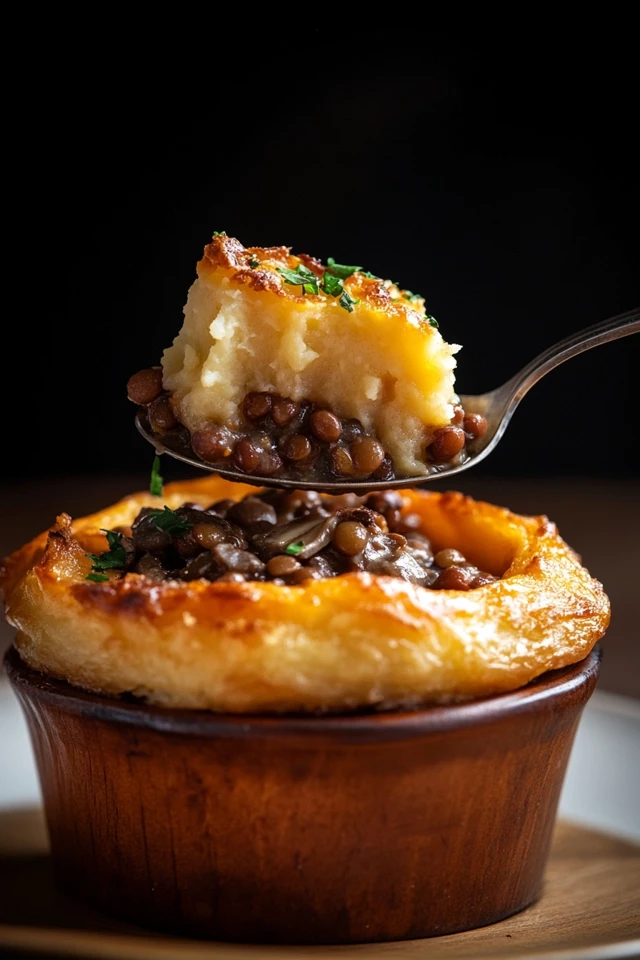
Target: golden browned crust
228, 254
334, 644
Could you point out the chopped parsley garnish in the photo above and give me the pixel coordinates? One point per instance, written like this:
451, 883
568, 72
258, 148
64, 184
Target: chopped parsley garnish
112, 559
96, 577
332, 283
332, 286
295, 548
155, 483
347, 302
169, 521
219, 233
300, 277
433, 321
409, 295
339, 269
253, 262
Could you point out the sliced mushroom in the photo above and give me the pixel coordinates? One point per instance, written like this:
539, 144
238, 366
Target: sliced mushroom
310, 534
383, 556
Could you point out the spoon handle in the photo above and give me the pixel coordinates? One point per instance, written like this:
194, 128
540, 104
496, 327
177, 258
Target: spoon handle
621, 326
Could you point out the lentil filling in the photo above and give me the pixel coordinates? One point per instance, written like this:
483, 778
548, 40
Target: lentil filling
286, 537
304, 441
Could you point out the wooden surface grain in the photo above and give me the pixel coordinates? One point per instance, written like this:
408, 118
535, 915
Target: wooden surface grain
599, 519
590, 901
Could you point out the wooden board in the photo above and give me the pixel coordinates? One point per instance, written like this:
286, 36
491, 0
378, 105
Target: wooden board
590, 908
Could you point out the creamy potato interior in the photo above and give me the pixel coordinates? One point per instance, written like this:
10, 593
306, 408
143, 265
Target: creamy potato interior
247, 329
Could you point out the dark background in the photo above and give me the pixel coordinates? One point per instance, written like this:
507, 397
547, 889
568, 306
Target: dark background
502, 185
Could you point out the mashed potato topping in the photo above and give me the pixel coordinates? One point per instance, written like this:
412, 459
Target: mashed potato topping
366, 349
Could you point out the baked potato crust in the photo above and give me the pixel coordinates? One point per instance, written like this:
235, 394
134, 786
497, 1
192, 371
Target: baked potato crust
353, 641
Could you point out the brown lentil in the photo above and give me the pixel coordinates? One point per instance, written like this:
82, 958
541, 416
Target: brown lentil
251, 510
384, 501
304, 573
408, 523
293, 501
297, 447
448, 557
482, 580
351, 429
161, 415
446, 444
255, 406
456, 578
150, 539
475, 425
221, 507
283, 411
367, 454
212, 443
394, 519
341, 462
282, 566
325, 426
150, 566
187, 545
208, 535
350, 538
145, 386
246, 455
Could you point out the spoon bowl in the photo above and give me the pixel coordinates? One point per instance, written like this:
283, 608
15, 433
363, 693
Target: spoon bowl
497, 407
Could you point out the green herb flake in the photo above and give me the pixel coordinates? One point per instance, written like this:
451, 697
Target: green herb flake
156, 482
253, 262
332, 286
370, 276
300, 277
219, 233
433, 321
96, 577
347, 302
112, 559
339, 269
410, 295
169, 522
295, 548
114, 539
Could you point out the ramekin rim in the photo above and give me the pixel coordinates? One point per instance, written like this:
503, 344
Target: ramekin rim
574, 682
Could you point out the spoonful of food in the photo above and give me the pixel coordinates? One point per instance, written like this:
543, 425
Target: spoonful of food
350, 455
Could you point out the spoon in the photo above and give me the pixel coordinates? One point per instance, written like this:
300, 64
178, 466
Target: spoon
497, 406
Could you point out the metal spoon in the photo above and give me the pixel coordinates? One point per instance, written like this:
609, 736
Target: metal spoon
497, 407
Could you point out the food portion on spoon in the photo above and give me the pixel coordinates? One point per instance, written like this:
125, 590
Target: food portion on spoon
290, 370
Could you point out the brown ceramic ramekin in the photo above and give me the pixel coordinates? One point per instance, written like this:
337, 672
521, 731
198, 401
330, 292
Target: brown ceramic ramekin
304, 830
